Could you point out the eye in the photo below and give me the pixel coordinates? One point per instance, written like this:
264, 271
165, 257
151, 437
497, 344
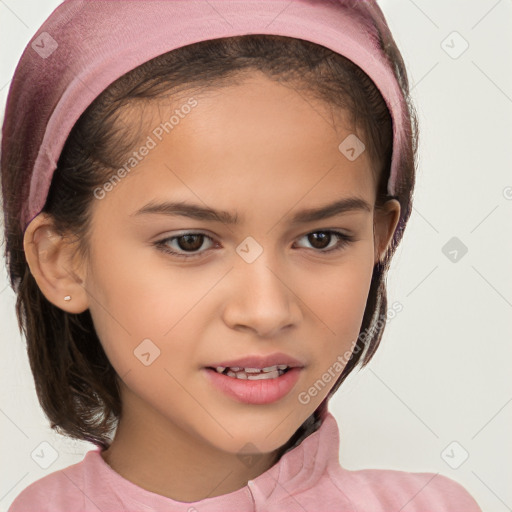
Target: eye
186, 242
321, 240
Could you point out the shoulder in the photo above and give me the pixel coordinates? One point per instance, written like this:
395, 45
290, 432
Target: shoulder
60, 490
384, 490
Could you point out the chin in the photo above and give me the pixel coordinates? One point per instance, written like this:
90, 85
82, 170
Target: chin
261, 432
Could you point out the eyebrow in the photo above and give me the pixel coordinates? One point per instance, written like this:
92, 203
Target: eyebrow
193, 211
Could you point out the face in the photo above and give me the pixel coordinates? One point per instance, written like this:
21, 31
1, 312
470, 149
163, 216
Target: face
173, 292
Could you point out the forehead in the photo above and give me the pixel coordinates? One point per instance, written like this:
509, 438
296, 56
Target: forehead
245, 143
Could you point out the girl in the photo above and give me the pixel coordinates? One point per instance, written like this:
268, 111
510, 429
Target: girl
201, 202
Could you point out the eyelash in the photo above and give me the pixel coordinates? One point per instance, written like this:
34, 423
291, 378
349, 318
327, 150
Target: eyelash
343, 241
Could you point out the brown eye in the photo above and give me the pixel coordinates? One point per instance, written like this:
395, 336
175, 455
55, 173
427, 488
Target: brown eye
190, 242
321, 240
184, 246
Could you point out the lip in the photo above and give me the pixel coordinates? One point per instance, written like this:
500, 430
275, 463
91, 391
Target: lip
255, 392
260, 361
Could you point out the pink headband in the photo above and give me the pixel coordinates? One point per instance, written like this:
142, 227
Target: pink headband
86, 45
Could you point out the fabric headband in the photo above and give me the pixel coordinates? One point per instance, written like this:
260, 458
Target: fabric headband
86, 45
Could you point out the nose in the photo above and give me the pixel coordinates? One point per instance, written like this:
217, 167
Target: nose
261, 299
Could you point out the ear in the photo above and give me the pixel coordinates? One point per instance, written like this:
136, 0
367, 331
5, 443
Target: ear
54, 264
385, 223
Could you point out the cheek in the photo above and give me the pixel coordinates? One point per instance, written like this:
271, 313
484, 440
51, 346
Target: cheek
141, 297
337, 296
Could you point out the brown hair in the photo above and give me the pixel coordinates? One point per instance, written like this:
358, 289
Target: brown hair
75, 382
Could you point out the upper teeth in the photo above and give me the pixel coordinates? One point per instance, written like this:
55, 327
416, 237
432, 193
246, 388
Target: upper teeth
270, 372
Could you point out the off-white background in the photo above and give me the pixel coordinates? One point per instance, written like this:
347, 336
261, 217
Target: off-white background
443, 372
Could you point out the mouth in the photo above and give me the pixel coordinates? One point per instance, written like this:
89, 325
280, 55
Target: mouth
255, 379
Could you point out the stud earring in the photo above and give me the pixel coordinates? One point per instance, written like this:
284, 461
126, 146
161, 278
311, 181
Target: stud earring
67, 297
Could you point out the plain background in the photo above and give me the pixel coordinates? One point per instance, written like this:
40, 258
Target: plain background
439, 388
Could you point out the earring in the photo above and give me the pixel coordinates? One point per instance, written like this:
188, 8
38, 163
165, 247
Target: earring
67, 297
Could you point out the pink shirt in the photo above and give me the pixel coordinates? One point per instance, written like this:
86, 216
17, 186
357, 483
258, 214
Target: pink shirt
308, 478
